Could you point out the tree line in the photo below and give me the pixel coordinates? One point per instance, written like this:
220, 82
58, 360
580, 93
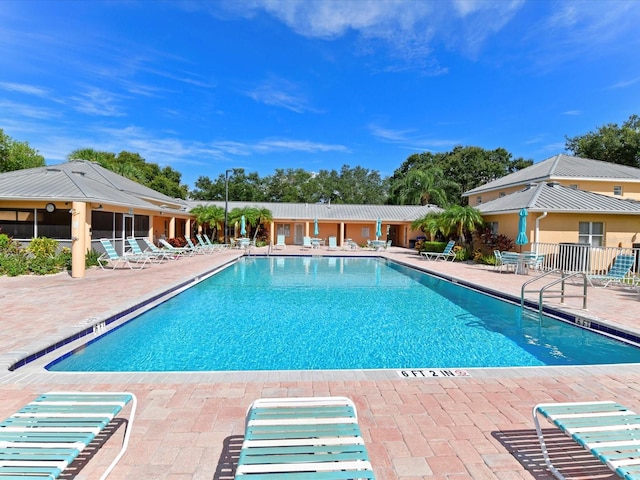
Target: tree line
436, 178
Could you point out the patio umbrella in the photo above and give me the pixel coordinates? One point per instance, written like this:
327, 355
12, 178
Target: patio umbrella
243, 226
378, 229
522, 239
315, 227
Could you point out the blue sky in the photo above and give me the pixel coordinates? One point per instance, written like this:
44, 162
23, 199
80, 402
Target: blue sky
203, 86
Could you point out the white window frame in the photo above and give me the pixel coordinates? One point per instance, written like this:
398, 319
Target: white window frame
283, 229
589, 237
617, 190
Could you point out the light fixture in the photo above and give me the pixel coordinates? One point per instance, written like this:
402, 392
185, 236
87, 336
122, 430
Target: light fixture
50, 207
99, 207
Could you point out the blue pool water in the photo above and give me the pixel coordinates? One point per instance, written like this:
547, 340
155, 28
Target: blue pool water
293, 313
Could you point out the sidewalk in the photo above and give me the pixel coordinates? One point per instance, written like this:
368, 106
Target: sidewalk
190, 424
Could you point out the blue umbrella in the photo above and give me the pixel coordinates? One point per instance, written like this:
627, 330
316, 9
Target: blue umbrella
315, 227
522, 239
243, 226
378, 229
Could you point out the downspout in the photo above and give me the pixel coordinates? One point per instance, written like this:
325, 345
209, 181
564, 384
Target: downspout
538, 229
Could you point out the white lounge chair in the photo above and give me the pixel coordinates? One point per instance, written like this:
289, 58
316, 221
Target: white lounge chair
280, 243
303, 437
446, 254
607, 430
333, 243
112, 257
42, 439
306, 242
175, 250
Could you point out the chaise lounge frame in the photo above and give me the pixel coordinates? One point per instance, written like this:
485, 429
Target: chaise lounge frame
609, 431
303, 438
44, 437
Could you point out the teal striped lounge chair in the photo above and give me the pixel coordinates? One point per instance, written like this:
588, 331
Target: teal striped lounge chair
280, 243
152, 248
42, 439
175, 250
112, 257
620, 269
609, 431
303, 438
446, 254
153, 256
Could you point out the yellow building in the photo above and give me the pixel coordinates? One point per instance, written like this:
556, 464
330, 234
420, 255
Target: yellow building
568, 200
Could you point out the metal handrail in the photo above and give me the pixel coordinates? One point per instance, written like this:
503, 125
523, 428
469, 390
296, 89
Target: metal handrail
560, 280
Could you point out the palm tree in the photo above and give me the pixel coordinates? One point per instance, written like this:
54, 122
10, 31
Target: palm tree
461, 219
420, 187
209, 215
430, 224
264, 215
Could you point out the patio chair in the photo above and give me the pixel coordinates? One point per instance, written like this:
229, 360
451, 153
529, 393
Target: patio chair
607, 430
620, 269
136, 250
303, 437
511, 262
112, 257
388, 244
446, 254
206, 246
333, 243
280, 243
175, 250
197, 249
151, 247
43, 438
221, 246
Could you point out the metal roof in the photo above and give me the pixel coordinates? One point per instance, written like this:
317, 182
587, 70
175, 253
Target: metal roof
334, 211
83, 181
562, 167
553, 197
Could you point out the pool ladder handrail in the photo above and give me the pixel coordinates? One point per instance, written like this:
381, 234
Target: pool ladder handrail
560, 280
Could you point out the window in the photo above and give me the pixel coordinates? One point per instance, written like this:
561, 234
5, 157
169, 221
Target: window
591, 233
617, 190
283, 229
502, 194
365, 232
479, 200
493, 226
26, 224
573, 186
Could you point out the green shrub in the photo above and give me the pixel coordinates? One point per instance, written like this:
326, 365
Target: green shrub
14, 265
8, 245
43, 247
90, 260
431, 246
43, 265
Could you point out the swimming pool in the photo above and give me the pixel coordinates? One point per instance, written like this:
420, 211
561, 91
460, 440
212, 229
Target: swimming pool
311, 313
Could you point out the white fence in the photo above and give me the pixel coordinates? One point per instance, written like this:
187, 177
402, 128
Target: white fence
575, 257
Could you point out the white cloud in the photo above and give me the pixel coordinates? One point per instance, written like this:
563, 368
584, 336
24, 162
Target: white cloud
24, 88
96, 101
572, 112
626, 83
281, 93
406, 29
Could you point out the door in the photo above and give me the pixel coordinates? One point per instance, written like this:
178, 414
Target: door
298, 233
393, 234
